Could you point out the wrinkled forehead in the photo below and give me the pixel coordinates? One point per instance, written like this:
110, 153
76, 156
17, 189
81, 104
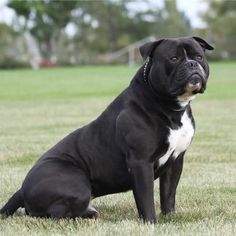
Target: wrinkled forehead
178, 46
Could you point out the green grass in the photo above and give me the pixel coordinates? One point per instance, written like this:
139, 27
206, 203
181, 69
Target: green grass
38, 108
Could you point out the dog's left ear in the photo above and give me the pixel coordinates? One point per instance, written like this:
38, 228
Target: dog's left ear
147, 49
203, 43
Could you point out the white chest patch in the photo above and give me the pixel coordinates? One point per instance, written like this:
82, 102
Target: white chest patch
179, 139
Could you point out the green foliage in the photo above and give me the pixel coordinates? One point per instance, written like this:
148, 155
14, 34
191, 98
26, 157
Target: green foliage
109, 25
10, 63
44, 19
6, 40
221, 20
38, 108
101, 26
106, 21
8, 49
173, 23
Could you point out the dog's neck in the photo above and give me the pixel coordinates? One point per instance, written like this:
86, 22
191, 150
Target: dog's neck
171, 104
152, 102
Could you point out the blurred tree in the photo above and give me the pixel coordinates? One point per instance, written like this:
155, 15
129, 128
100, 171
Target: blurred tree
44, 19
103, 25
6, 41
110, 25
12, 49
100, 26
221, 21
173, 23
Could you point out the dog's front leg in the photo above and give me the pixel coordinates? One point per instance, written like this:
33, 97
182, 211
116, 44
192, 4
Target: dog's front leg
168, 184
142, 175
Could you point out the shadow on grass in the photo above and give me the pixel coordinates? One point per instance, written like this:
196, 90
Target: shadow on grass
125, 210
115, 214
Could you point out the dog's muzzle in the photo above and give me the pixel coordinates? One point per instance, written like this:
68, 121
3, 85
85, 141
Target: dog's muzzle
195, 78
195, 84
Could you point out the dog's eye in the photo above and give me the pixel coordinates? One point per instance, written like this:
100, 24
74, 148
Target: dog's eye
174, 59
199, 57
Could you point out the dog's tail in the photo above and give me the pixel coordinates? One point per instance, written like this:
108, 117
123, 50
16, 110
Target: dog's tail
13, 204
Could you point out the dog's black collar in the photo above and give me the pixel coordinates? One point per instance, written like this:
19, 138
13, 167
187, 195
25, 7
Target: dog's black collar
146, 70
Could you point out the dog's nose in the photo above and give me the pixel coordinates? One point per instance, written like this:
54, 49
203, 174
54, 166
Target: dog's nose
191, 64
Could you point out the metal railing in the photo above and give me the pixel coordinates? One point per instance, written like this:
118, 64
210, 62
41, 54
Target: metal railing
130, 50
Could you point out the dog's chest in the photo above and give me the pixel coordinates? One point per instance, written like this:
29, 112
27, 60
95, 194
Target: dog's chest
178, 139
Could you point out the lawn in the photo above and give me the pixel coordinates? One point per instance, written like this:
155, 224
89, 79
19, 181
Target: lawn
38, 108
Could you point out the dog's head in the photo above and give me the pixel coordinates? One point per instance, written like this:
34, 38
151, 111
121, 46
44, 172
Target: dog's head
179, 68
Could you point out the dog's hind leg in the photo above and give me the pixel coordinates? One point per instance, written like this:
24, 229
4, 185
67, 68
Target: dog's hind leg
59, 210
63, 195
74, 202
71, 208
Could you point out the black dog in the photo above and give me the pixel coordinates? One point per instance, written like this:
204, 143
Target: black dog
142, 135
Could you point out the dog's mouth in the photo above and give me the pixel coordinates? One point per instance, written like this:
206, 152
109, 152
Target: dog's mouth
195, 84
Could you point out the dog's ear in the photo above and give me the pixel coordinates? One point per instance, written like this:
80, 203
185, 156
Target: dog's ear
147, 49
203, 43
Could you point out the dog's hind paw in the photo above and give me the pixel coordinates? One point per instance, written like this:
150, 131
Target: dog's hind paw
90, 213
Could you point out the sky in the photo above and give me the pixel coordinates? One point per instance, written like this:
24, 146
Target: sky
191, 8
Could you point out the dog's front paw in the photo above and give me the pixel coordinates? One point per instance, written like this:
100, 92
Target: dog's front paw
167, 211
